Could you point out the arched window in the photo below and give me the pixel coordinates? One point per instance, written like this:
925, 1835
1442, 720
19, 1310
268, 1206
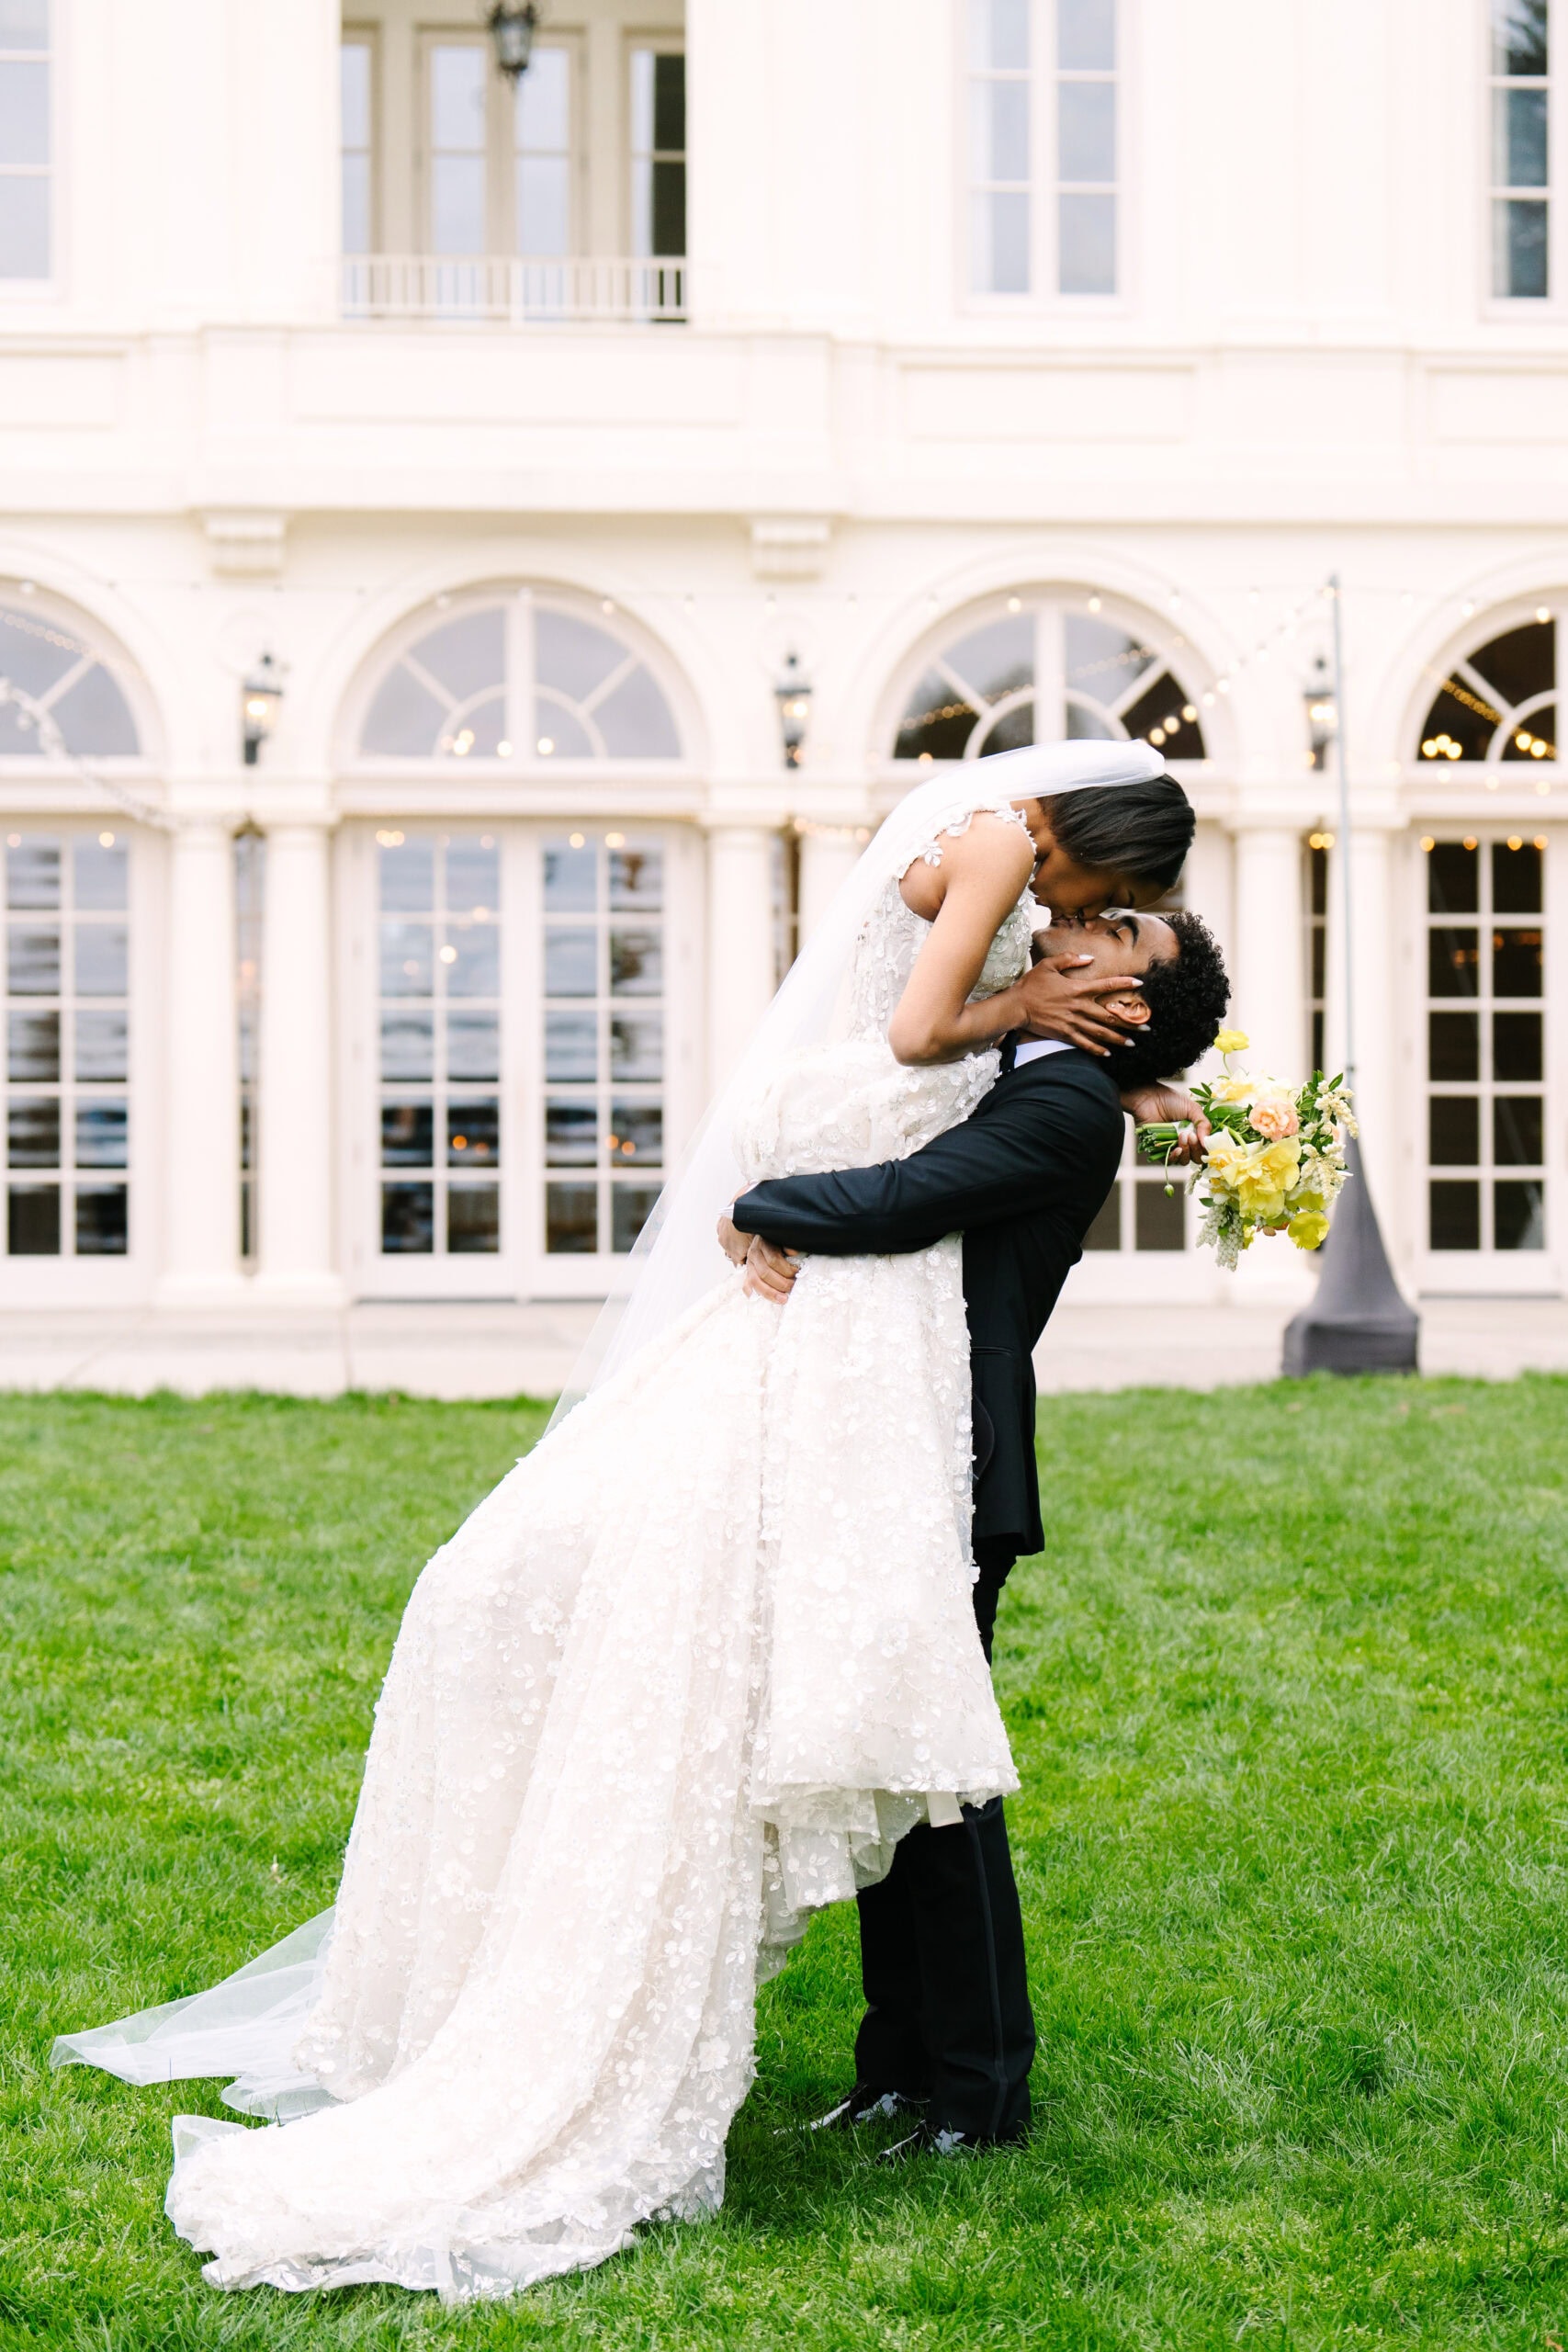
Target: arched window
58, 697
1030, 669
522, 682
1500, 702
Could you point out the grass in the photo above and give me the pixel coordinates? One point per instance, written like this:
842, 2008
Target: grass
1290, 1699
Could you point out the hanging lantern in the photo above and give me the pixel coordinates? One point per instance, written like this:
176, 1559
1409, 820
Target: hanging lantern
793, 694
259, 698
1321, 714
512, 28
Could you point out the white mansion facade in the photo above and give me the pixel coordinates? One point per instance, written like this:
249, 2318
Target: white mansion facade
908, 378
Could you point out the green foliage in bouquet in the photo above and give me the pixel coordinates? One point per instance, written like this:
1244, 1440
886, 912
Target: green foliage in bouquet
1275, 1161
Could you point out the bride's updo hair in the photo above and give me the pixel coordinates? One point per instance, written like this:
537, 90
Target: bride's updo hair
1142, 831
1187, 995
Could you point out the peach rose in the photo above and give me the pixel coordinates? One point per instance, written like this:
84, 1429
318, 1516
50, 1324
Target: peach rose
1274, 1115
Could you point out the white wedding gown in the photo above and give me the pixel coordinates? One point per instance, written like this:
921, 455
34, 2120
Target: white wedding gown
683, 1677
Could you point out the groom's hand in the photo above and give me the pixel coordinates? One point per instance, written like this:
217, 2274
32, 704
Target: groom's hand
770, 1272
732, 1241
1148, 1105
1058, 997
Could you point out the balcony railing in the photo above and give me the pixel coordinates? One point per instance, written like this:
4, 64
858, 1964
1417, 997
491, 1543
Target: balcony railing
512, 292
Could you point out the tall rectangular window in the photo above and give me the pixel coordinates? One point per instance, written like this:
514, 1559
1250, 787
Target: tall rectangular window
542, 126
67, 1044
1042, 147
358, 57
1520, 129
604, 1040
658, 153
1318, 847
1000, 147
249, 873
26, 229
456, 95
1486, 1045
440, 1045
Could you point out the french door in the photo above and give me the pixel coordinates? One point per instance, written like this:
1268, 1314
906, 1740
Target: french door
526, 1048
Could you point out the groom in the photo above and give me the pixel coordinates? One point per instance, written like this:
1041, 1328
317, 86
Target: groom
948, 2028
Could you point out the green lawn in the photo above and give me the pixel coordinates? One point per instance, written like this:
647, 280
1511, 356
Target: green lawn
1290, 1702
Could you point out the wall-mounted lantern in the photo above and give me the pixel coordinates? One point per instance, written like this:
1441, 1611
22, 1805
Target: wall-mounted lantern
512, 28
1321, 714
259, 698
793, 694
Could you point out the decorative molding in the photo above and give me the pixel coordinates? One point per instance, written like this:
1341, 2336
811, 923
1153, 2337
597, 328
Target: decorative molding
789, 547
245, 545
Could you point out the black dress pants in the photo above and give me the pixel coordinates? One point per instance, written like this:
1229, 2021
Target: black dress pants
947, 2014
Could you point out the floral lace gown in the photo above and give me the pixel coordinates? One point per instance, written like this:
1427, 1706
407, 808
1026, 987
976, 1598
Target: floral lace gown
684, 1676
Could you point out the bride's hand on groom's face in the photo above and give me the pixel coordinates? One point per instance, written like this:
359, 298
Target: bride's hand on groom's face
1065, 998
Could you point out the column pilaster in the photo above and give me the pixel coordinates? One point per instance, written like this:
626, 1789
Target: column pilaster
827, 854
201, 1232
295, 1102
1268, 953
741, 972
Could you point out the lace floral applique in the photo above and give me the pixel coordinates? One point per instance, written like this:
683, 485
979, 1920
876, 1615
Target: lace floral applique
931, 853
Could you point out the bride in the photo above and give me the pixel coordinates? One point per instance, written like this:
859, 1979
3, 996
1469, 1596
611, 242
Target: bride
684, 1677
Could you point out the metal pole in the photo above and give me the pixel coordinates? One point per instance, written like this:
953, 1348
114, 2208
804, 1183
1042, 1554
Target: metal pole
1344, 842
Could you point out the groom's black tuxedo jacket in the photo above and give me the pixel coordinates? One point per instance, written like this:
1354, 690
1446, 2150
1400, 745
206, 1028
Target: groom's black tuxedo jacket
1022, 1180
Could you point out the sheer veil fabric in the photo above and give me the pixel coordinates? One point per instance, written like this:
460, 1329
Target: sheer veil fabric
681, 1679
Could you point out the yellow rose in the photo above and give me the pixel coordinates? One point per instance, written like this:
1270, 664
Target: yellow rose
1225, 1160
1232, 1041
1308, 1228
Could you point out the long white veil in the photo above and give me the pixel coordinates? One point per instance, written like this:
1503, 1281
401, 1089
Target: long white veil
676, 1257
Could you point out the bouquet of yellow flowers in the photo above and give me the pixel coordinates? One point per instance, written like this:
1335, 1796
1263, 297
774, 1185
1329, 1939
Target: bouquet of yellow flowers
1275, 1160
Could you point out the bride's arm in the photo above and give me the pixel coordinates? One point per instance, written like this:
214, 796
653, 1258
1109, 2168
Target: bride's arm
981, 875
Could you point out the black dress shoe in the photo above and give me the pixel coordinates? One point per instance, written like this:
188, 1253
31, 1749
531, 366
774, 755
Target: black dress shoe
936, 2140
865, 2104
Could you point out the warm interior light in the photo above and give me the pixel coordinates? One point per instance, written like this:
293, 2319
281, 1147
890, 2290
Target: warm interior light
1094, 603
1470, 841
546, 745
503, 749
1188, 712
1428, 843
105, 841
1015, 604
448, 954
614, 840
459, 1143
1540, 840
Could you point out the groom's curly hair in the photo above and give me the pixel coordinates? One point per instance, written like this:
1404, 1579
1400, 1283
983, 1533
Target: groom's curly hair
1187, 995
